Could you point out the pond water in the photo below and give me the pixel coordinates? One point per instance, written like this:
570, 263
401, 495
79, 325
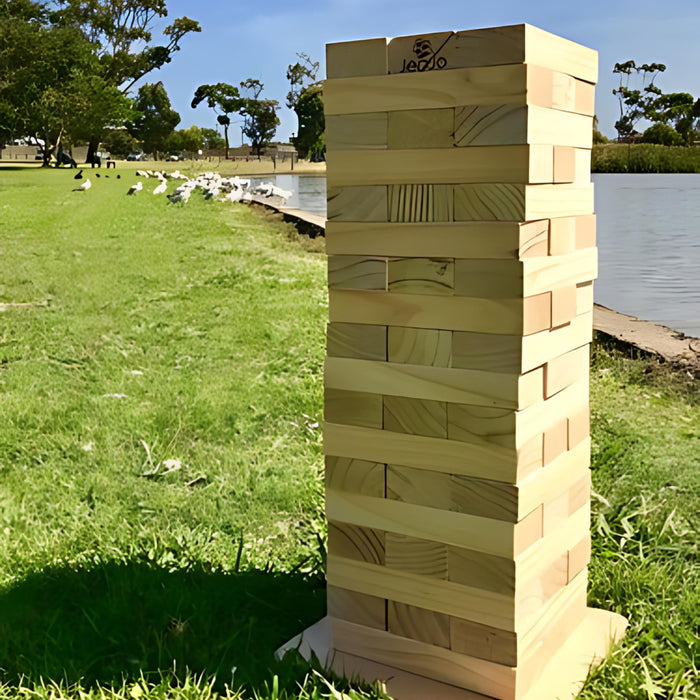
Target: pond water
648, 240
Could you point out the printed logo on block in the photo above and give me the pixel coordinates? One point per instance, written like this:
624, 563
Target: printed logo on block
426, 59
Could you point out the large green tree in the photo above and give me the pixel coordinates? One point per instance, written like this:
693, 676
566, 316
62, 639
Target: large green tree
260, 116
635, 103
224, 99
121, 34
50, 86
305, 97
155, 120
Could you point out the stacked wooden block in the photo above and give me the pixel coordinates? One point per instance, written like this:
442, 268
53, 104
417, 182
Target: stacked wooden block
461, 244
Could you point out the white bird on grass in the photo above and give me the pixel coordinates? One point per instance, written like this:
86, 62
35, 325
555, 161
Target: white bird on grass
84, 187
161, 188
135, 188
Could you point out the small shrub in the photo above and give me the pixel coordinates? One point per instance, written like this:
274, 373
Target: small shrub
662, 134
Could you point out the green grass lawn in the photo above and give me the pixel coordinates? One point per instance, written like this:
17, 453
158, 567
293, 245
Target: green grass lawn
161, 498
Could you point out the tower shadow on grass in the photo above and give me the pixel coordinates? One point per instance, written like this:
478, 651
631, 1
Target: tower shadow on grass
121, 622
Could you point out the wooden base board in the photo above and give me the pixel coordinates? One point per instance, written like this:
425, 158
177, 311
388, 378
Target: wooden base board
562, 678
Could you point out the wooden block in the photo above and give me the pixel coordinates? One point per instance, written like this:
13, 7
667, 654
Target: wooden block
489, 125
356, 607
418, 623
357, 340
564, 305
538, 590
584, 297
555, 440
483, 239
555, 478
556, 90
519, 165
353, 408
420, 53
356, 272
419, 203
492, 279
563, 129
486, 351
481, 571
562, 235
585, 232
483, 642
357, 131
421, 128
565, 370
425, 659
420, 346
355, 542
578, 427
543, 274
416, 556
582, 165
478, 604
488, 499
565, 162
499, 316
438, 383
579, 557
469, 423
348, 59
490, 46
486, 460
356, 476
545, 49
513, 202
431, 90
560, 507
415, 416
538, 348
421, 276
357, 204
459, 529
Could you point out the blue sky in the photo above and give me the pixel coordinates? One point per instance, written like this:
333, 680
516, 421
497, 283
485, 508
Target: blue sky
259, 40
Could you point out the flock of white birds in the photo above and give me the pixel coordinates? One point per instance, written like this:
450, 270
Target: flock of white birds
212, 186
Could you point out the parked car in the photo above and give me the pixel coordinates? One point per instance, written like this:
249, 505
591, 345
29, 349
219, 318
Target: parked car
136, 156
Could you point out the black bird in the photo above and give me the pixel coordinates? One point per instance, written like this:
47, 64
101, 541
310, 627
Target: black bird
78, 176
119, 177
97, 175
106, 175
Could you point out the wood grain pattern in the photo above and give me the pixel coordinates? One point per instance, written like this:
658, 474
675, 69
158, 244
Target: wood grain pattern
435, 383
493, 279
357, 272
357, 340
481, 571
356, 58
355, 476
420, 346
459, 529
355, 542
499, 316
358, 203
353, 408
356, 607
482, 239
421, 128
520, 164
494, 353
419, 624
566, 369
489, 125
488, 461
357, 131
557, 90
416, 556
421, 276
421, 203
543, 274
483, 642
425, 659
415, 416
538, 348
546, 49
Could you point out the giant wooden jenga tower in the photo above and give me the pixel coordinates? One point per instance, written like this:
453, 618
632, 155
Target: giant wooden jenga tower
461, 258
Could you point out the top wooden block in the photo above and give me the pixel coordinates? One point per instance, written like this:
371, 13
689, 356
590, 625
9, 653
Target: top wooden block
521, 43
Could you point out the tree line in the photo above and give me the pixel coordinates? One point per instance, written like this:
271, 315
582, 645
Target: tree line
674, 116
68, 69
